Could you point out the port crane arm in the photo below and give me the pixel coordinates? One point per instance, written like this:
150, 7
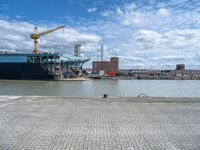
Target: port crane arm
49, 31
35, 36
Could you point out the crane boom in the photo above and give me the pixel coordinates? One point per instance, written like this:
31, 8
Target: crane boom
49, 31
36, 36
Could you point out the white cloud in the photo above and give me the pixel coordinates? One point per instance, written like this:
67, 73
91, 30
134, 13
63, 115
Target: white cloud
16, 33
163, 12
151, 49
93, 9
106, 13
119, 11
132, 58
154, 37
178, 2
173, 57
151, 37
177, 40
130, 6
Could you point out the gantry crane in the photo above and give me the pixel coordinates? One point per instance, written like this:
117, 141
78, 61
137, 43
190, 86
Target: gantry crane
37, 35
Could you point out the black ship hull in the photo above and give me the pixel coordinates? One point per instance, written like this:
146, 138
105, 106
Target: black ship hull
24, 71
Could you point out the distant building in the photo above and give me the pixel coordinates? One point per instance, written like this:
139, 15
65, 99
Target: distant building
167, 74
108, 67
144, 73
180, 67
192, 73
111, 68
180, 70
77, 50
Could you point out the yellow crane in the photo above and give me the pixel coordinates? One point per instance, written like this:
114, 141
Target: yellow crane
35, 36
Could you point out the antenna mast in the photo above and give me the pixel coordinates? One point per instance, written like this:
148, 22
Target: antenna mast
102, 52
77, 50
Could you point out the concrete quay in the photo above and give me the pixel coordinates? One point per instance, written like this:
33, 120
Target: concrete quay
58, 123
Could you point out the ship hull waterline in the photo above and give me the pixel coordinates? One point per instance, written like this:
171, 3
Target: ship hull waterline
24, 71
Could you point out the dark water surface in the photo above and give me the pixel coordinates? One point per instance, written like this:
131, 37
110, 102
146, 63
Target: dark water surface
163, 88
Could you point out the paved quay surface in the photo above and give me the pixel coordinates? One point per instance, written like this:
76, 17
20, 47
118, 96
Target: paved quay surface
58, 123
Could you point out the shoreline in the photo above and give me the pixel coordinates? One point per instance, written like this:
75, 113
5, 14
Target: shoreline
108, 99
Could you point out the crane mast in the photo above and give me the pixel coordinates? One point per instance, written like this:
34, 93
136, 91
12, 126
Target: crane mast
35, 36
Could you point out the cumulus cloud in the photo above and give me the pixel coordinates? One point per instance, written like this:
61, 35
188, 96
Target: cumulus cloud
16, 34
171, 40
158, 35
153, 48
152, 35
162, 16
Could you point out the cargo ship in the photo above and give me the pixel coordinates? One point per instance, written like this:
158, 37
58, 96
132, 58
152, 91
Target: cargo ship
41, 66
30, 66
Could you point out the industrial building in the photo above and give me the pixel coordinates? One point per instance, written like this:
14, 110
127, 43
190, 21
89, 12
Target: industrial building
110, 68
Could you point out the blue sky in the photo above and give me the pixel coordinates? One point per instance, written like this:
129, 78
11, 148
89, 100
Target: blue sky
152, 34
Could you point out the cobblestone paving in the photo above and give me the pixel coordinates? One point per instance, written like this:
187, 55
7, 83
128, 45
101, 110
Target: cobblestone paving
76, 124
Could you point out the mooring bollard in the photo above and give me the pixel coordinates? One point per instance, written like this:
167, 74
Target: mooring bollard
105, 95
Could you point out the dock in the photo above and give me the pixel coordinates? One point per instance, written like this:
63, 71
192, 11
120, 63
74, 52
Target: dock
75, 79
88, 123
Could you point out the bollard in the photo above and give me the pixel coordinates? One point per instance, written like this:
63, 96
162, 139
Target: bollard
105, 95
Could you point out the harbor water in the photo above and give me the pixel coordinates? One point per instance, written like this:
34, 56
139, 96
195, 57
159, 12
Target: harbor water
129, 88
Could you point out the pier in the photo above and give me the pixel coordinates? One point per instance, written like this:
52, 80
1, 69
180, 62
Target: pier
56, 123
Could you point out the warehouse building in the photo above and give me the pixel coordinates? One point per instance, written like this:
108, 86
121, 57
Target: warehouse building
110, 68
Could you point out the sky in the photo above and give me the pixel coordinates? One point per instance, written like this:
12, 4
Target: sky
144, 34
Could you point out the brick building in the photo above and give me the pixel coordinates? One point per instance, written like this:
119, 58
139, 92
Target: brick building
109, 67
180, 67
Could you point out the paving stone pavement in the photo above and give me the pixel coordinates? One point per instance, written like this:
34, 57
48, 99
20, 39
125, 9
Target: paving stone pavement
53, 123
